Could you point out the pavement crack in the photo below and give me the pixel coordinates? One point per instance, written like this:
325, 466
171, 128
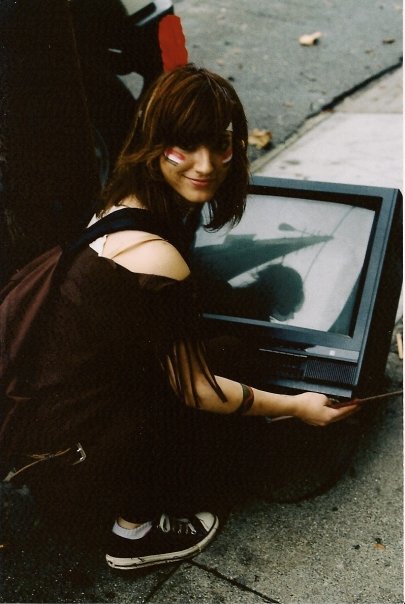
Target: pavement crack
234, 582
160, 583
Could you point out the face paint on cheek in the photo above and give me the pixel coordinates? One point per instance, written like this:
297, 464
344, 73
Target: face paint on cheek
227, 156
174, 157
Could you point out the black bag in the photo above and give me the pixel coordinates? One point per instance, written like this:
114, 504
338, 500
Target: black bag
22, 302
26, 296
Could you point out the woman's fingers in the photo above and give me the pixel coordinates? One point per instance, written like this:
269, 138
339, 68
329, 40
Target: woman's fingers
344, 412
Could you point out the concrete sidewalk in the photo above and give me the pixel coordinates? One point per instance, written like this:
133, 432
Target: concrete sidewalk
341, 547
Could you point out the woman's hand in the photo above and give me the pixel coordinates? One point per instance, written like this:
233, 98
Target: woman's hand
312, 408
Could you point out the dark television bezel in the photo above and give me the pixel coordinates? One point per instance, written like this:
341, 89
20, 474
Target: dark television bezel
376, 314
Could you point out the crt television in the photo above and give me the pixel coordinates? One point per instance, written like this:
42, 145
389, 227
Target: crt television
303, 293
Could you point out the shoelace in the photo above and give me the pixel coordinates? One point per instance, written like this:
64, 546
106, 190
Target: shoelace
176, 525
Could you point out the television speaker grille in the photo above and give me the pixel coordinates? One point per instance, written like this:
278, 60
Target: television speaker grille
330, 371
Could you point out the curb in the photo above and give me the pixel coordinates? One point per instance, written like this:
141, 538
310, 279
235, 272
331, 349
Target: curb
314, 119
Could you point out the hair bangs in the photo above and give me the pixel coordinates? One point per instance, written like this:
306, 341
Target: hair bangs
201, 116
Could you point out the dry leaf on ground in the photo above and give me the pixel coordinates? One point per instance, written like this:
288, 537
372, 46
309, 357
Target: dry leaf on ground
260, 138
310, 39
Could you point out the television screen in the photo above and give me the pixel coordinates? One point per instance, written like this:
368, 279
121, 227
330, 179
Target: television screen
279, 264
311, 276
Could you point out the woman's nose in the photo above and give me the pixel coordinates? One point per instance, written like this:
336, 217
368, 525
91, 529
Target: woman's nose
203, 160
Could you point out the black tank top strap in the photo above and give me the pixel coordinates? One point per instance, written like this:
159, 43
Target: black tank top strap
127, 219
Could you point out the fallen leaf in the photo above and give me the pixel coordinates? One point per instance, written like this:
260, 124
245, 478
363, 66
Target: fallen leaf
378, 544
400, 346
310, 39
260, 138
388, 40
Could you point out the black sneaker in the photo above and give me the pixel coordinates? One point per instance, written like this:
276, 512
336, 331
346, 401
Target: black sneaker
170, 539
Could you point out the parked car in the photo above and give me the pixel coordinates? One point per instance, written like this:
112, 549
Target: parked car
65, 108
117, 44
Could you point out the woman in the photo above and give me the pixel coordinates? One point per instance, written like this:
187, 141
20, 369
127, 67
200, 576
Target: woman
121, 367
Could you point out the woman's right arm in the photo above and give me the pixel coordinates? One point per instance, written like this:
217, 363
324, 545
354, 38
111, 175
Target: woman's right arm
191, 371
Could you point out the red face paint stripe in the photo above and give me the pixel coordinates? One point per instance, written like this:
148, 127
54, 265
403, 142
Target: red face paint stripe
174, 156
227, 156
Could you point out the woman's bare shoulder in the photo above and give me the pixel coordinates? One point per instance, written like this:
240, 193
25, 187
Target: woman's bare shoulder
146, 253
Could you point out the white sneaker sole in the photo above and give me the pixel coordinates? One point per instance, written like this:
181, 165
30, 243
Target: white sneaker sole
142, 562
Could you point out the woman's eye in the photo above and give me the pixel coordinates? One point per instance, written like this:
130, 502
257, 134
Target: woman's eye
188, 147
224, 144
219, 147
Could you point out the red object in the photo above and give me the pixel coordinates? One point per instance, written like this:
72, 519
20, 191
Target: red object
172, 43
335, 404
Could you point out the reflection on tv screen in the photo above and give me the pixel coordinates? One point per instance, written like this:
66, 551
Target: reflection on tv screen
289, 261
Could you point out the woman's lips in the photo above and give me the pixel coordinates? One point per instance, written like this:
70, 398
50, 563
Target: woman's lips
201, 182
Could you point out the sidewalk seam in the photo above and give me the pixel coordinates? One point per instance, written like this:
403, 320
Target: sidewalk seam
234, 582
160, 583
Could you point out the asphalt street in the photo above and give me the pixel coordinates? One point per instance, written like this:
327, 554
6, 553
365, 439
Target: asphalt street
281, 82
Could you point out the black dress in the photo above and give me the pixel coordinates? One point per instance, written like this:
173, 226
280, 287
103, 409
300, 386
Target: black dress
99, 377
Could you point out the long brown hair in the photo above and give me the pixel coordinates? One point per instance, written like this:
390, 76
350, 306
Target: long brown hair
188, 105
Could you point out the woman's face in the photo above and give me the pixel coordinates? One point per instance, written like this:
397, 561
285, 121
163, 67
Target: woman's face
196, 173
